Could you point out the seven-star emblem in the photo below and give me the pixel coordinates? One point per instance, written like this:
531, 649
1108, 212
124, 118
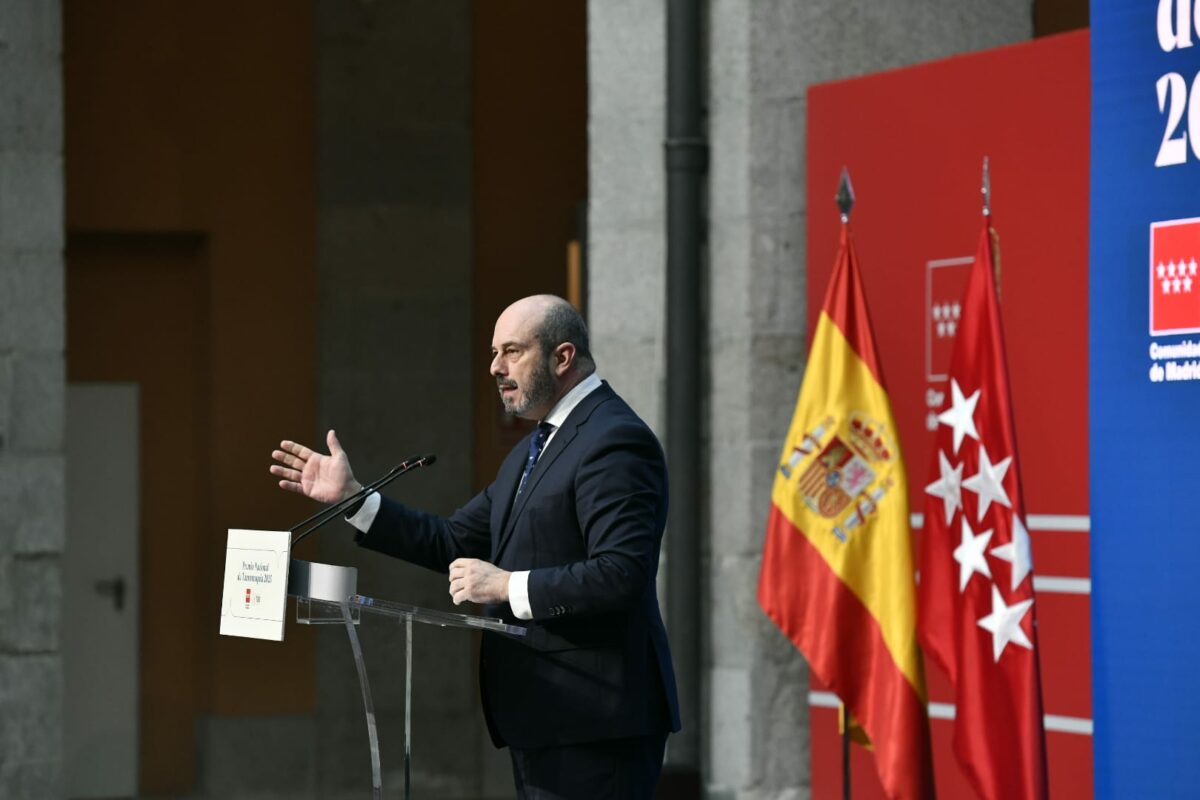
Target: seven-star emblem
969, 555
948, 487
1017, 552
961, 414
988, 483
1004, 623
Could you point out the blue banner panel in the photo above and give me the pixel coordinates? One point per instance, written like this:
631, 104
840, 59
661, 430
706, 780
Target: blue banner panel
1144, 396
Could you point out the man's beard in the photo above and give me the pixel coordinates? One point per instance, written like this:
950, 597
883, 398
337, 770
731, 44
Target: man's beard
539, 389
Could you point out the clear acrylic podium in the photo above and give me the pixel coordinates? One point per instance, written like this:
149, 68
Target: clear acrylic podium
318, 589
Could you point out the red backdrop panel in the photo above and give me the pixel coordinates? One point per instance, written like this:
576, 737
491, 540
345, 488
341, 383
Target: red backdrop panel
914, 141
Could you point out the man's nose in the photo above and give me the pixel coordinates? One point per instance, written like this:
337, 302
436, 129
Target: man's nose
497, 366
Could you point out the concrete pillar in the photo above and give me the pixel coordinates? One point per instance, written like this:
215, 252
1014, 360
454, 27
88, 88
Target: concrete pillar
394, 163
627, 192
762, 57
32, 395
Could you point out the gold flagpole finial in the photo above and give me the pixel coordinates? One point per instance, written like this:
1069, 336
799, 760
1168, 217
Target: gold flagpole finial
845, 195
987, 189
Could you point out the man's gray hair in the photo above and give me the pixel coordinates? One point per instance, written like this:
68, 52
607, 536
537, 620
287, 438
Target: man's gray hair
563, 324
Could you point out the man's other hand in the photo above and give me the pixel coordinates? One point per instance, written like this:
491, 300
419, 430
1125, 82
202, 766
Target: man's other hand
477, 581
324, 478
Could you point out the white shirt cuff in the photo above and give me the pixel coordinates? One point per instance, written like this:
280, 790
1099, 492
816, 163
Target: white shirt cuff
518, 594
366, 514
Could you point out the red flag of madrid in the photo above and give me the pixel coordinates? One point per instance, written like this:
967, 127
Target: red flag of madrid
976, 604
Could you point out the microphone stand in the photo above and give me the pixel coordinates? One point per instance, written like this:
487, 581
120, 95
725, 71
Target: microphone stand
329, 512
335, 584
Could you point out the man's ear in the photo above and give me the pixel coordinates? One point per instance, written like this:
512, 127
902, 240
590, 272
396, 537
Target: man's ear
564, 358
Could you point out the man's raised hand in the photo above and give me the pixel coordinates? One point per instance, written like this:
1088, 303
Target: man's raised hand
324, 478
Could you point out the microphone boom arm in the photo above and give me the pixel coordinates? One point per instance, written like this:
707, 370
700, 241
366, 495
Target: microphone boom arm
329, 512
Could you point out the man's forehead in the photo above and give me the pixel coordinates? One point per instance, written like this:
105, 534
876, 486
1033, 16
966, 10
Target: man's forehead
510, 337
515, 325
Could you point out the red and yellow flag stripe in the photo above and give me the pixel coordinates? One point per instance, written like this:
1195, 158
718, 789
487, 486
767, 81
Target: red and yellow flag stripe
837, 574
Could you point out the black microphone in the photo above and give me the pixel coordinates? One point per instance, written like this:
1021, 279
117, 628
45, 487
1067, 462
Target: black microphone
329, 512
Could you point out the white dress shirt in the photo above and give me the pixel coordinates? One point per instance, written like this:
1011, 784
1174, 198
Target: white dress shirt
518, 582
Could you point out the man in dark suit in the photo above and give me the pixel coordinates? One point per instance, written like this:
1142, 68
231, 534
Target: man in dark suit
566, 538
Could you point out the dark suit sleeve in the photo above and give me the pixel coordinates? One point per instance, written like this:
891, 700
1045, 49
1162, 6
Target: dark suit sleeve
429, 540
621, 505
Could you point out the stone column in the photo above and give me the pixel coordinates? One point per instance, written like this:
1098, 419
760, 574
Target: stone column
32, 398
627, 194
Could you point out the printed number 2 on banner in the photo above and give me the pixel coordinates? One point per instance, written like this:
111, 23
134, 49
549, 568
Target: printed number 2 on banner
1175, 22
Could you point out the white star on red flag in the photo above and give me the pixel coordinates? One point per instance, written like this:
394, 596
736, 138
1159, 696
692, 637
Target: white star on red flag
961, 414
969, 555
948, 486
1018, 552
988, 483
1004, 623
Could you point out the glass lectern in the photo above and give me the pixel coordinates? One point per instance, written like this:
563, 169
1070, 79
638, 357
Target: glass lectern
327, 595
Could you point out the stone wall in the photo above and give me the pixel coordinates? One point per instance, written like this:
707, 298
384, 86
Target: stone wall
32, 396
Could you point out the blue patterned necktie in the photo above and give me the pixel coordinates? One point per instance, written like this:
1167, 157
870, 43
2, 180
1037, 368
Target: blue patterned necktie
536, 443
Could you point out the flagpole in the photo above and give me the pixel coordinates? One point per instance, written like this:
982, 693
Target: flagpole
845, 202
845, 754
986, 190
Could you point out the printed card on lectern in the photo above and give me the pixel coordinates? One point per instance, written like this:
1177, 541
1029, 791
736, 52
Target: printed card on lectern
254, 599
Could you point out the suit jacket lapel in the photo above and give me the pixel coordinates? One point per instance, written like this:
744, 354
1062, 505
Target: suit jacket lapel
562, 440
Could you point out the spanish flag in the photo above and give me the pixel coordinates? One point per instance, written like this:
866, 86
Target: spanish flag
837, 573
